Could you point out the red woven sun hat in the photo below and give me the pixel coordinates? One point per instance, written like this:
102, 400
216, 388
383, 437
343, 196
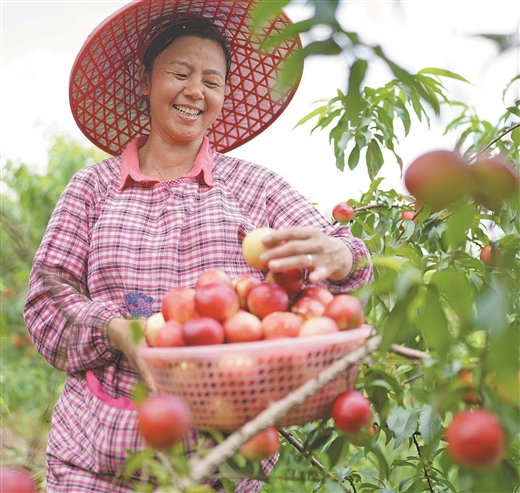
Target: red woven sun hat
104, 90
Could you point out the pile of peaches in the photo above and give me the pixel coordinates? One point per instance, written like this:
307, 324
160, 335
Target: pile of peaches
222, 310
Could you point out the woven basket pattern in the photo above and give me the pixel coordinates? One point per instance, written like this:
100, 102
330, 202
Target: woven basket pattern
227, 385
104, 91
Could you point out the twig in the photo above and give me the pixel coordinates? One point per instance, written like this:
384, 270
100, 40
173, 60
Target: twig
411, 379
423, 463
372, 206
174, 477
201, 469
409, 352
505, 132
299, 446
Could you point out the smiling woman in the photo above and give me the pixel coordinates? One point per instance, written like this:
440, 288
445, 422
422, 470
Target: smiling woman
157, 85
184, 83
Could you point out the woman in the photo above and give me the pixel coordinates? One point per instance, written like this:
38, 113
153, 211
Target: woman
167, 208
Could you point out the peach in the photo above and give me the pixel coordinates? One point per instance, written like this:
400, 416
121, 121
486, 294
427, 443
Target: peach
153, 324
308, 307
213, 276
267, 298
243, 286
318, 326
279, 325
253, 247
200, 331
217, 301
179, 304
323, 295
243, 327
346, 310
438, 178
169, 335
290, 280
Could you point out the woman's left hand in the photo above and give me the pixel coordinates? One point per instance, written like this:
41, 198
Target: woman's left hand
308, 248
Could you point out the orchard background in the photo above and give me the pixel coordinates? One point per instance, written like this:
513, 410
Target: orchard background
431, 293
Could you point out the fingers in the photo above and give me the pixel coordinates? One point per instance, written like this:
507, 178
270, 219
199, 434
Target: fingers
280, 236
307, 248
145, 374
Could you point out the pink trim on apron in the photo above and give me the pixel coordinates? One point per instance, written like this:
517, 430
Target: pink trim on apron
95, 387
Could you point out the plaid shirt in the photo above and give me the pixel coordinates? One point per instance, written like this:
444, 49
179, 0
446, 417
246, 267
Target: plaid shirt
118, 241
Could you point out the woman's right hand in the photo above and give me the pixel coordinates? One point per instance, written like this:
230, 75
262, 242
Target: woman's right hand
121, 338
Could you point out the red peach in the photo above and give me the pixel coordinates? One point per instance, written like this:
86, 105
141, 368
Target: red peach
308, 307
278, 325
346, 310
267, 298
243, 286
169, 335
179, 304
290, 280
218, 301
243, 327
323, 295
318, 326
213, 276
201, 331
343, 212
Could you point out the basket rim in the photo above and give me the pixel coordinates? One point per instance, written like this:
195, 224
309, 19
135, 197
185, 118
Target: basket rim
213, 351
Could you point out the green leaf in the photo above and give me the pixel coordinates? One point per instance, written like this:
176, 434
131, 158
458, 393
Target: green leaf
353, 101
320, 111
443, 72
434, 324
265, 11
374, 159
403, 424
333, 487
492, 308
515, 137
338, 450
459, 223
429, 423
514, 110
137, 331
455, 287
502, 361
353, 158
509, 84
502, 41
140, 393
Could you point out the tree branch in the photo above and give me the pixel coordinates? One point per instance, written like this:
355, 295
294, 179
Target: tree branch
409, 352
483, 150
423, 463
202, 468
299, 446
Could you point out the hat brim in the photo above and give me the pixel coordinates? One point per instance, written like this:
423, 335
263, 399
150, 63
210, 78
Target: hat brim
104, 90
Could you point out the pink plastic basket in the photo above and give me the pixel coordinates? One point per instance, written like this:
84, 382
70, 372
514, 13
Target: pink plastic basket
227, 385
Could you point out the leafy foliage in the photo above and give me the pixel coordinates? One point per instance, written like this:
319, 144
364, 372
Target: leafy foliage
431, 292
29, 385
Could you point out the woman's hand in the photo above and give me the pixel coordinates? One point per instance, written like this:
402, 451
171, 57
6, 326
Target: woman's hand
308, 248
121, 337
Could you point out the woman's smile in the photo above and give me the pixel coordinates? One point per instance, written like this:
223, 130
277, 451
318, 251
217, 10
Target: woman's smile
186, 111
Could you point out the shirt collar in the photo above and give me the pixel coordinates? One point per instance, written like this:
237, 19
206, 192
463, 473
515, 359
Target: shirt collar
131, 172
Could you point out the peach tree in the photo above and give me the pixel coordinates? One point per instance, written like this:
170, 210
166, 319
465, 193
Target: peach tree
444, 302
434, 289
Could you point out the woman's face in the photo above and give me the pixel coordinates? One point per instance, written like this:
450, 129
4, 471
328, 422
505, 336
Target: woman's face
186, 89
